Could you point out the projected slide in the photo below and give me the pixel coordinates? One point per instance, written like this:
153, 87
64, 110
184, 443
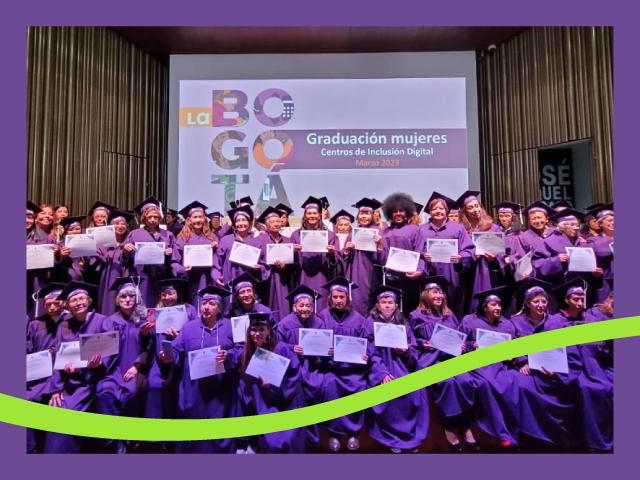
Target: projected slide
282, 140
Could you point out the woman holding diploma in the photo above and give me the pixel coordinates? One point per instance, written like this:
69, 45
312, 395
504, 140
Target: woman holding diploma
74, 387
195, 232
38, 221
496, 388
440, 227
259, 397
69, 268
344, 378
454, 397
99, 214
359, 265
602, 245
316, 268
401, 424
149, 211
209, 394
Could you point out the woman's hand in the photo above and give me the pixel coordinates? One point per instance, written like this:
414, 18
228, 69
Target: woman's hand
130, 374
65, 251
387, 379
525, 370
129, 247
56, 400
171, 333
413, 275
168, 251
298, 349
331, 250
456, 259
221, 356
95, 361
401, 351
164, 358
426, 345
563, 257
147, 327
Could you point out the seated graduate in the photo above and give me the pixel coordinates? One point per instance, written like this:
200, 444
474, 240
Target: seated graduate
259, 397
403, 423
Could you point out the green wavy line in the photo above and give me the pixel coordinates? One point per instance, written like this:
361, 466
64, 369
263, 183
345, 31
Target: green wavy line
21, 412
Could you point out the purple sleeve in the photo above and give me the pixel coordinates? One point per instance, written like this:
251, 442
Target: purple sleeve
545, 262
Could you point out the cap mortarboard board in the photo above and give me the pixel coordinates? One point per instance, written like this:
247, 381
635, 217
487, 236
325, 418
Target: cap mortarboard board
467, 197
538, 206
302, 290
386, 290
561, 205
193, 207
213, 290
213, 215
313, 202
602, 211
449, 202
577, 285
367, 203
244, 201
50, 289
233, 204
284, 208
115, 214
147, 203
531, 286
245, 209
434, 281
100, 205
566, 214
74, 287
324, 201
33, 208
259, 318
179, 284
497, 292
505, 206
120, 282
342, 213
242, 280
67, 222
595, 206
268, 213
340, 283
419, 207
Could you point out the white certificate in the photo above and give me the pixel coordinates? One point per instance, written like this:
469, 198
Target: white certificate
553, 360
149, 253
69, 353
315, 341
239, 326
268, 365
314, 240
40, 256
349, 349
171, 317
39, 365
523, 266
287, 231
363, 239
389, 335
442, 249
402, 260
342, 239
486, 338
492, 242
198, 256
82, 245
244, 254
202, 363
581, 259
103, 344
279, 251
105, 236
447, 340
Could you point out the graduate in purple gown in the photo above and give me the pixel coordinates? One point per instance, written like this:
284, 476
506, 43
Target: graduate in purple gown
341, 222
454, 397
403, 423
440, 227
245, 299
280, 276
507, 213
75, 388
215, 223
602, 245
497, 393
173, 222
41, 334
285, 211
591, 228
258, 397
316, 269
149, 211
109, 261
223, 269
195, 232
342, 378
398, 208
99, 214
539, 228
548, 402
359, 266
70, 268
213, 396
38, 222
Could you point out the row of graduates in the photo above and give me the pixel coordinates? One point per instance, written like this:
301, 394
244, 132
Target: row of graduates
506, 400
467, 274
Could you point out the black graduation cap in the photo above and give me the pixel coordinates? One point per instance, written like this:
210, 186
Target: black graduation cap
246, 209
567, 212
98, 205
120, 282
313, 201
213, 215
284, 208
66, 222
419, 207
602, 211
171, 211
149, 201
434, 280
515, 207
49, 289
179, 284
497, 291
467, 196
91, 289
367, 203
186, 211
449, 202
33, 208
233, 204
342, 213
259, 318
524, 286
242, 278
303, 289
214, 290
269, 211
382, 289
324, 202
562, 204
561, 291
595, 206
127, 215
341, 282
245, 201
538, 205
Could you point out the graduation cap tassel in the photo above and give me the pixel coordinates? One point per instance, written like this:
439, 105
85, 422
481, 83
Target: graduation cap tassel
34, 296
520, 216
384, 276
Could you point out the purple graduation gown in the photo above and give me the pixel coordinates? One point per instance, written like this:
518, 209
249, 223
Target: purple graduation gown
78, 389
601, 245
37, 279
403, 422
108, 263
484, 274
453, 396
150, 288
546, 264
210, 397
69, 269
528, 241
258, 400
316, 269
342, 379
198, 277
226, 271
453, 272
497, 389
280, 280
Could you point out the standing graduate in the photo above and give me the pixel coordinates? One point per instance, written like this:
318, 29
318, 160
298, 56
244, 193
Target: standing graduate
602, 245
403, 423
70, 268
507, 212
316, 269
245, 299
454, 397
359, 266
172, 221
285, 211
440, 227
342, 228
38, 220
195, 232
59, 212
496, 391
342, 378
75, 388
99, 214
149, 211
258, 397
212, 396
538, 229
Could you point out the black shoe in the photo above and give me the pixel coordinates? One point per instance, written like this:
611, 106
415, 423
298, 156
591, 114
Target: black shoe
471, 447
455, 447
